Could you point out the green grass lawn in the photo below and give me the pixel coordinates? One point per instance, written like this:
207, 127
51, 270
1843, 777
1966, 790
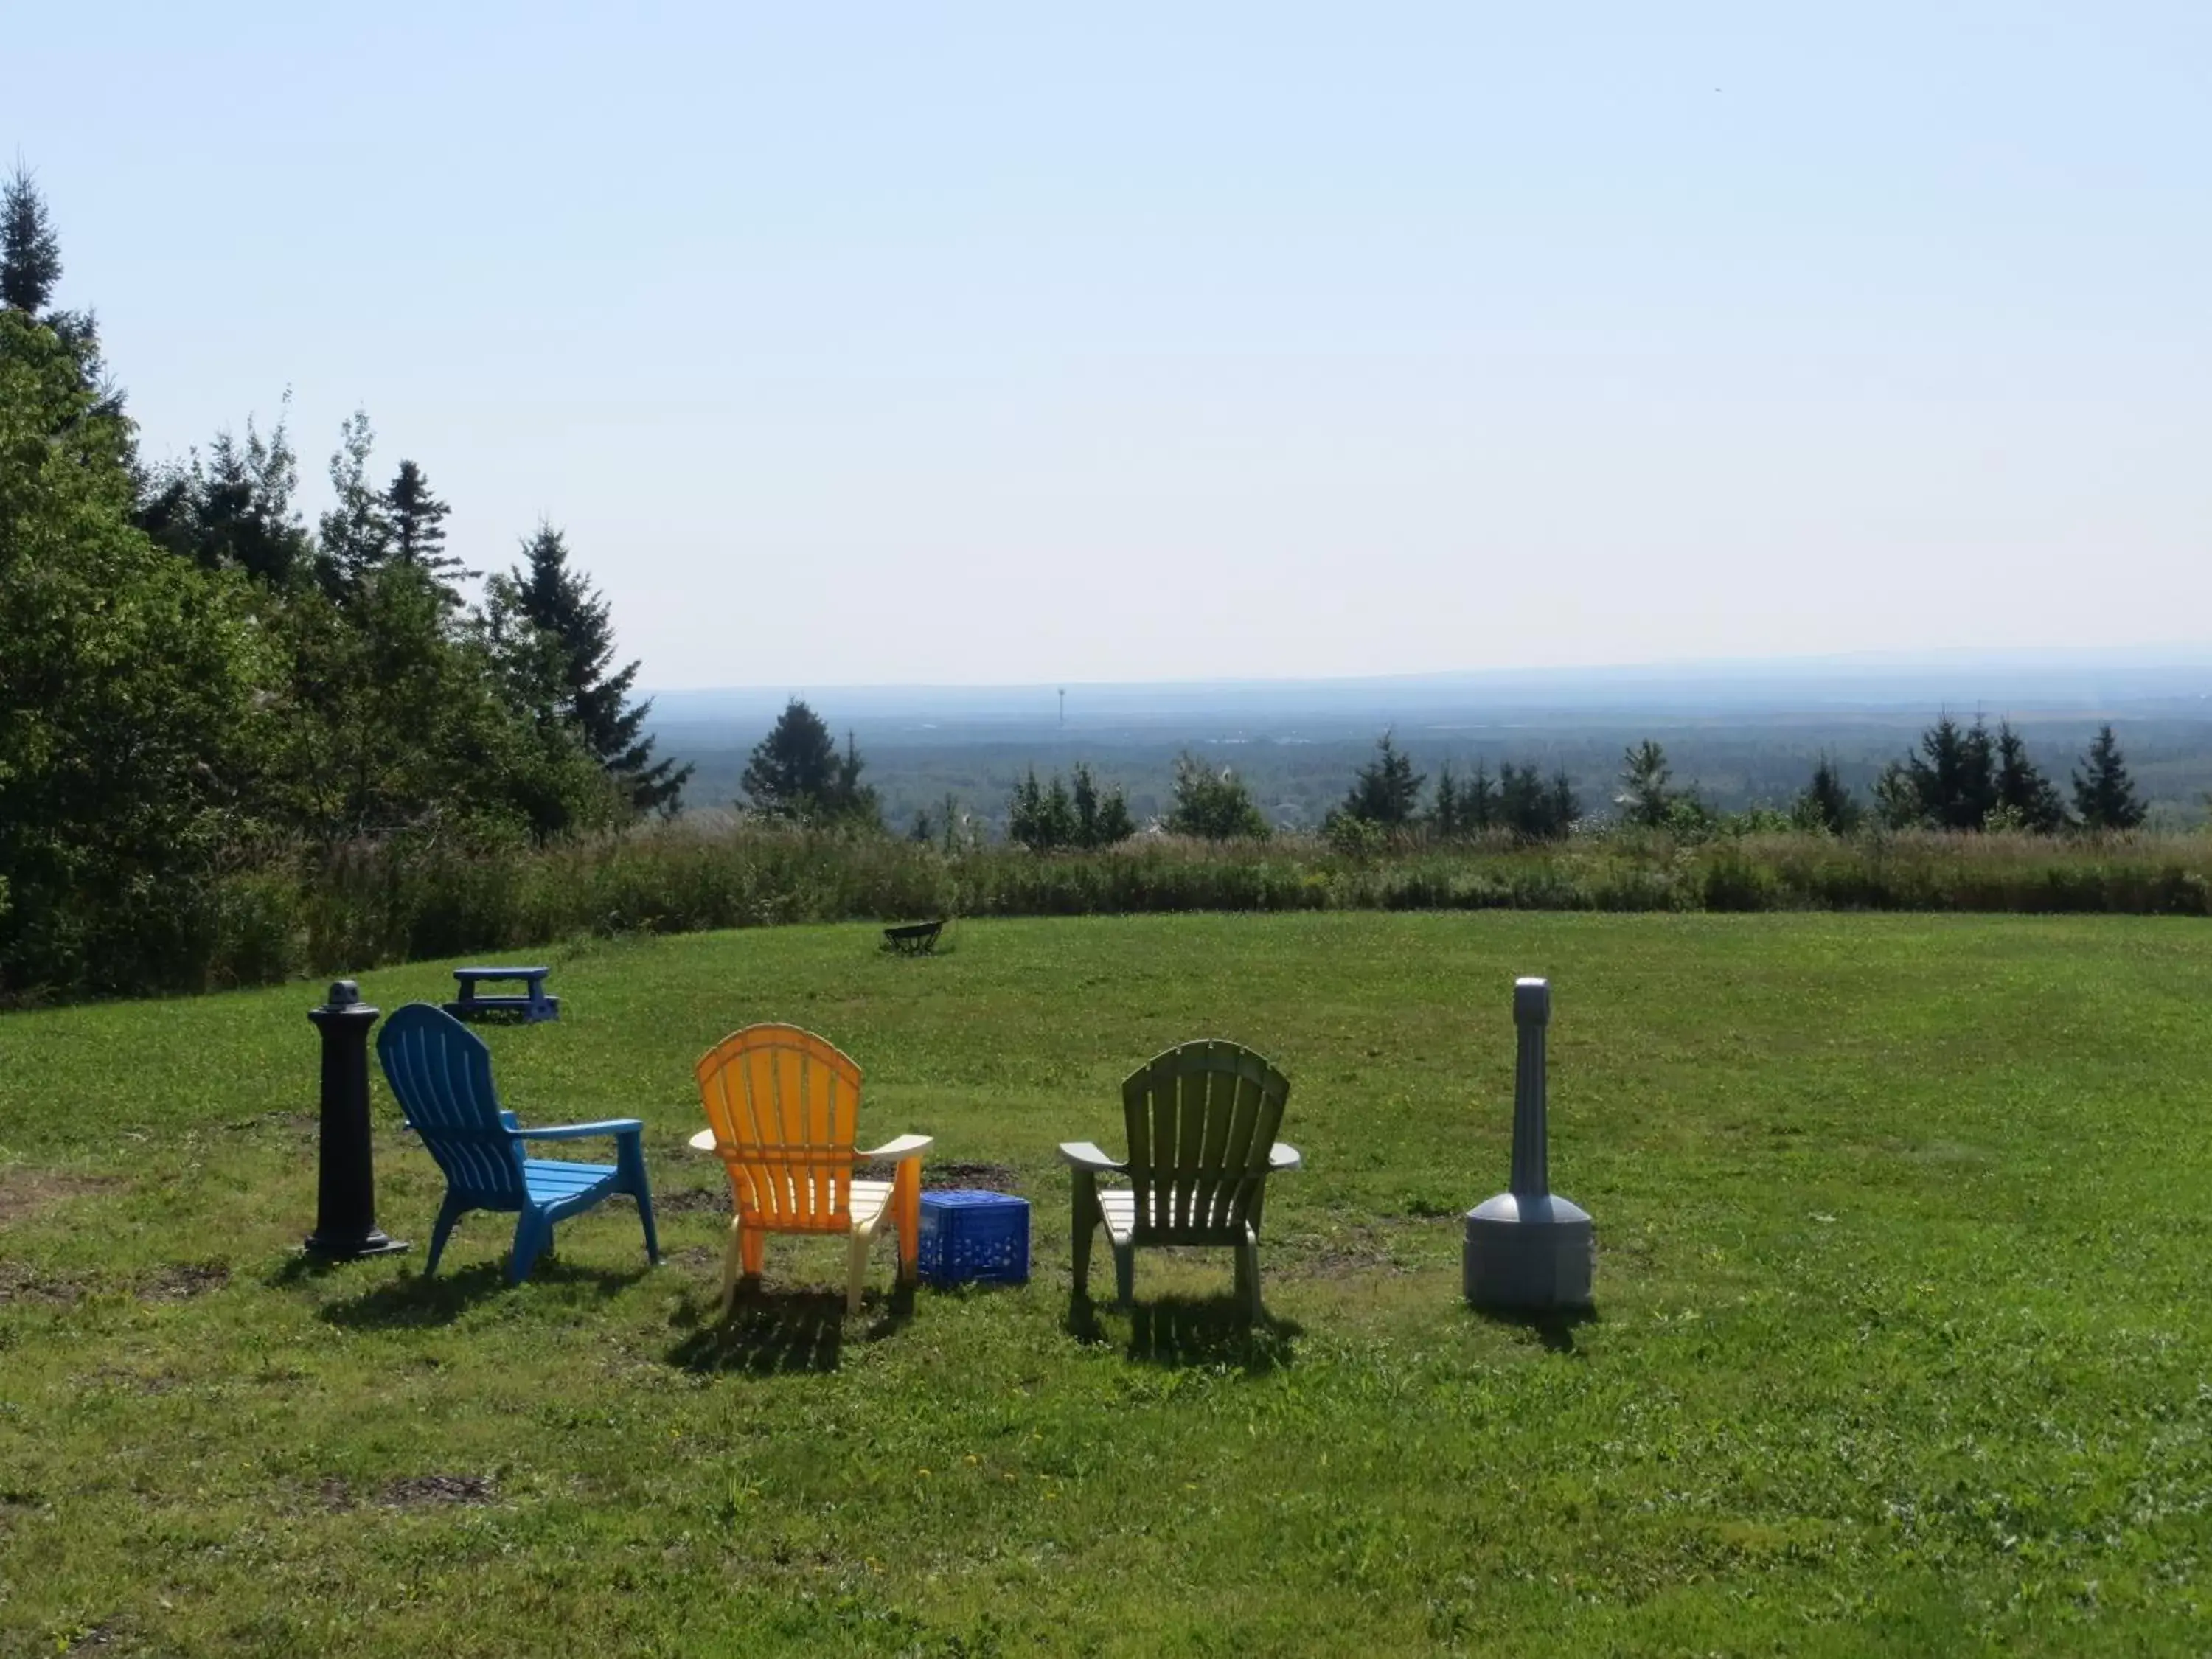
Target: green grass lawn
1900, 1345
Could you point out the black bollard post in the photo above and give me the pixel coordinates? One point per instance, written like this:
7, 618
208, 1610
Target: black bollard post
345, 1197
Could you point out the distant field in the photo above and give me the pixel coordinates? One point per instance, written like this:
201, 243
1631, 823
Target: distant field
1902, 1223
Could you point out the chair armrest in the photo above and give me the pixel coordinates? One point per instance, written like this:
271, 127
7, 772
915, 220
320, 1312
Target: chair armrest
904, 1147
1082, 1155
511, 1121
612, 1126
1281, 1157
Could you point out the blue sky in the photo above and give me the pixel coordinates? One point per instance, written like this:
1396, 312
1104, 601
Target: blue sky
998, 343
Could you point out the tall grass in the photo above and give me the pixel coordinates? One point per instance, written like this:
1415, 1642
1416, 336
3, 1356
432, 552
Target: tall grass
369, 905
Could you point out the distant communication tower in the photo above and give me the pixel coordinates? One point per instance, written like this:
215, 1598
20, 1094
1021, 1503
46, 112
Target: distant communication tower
1063, 705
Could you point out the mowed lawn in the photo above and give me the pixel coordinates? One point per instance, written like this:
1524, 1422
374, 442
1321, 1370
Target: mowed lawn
1901, 1343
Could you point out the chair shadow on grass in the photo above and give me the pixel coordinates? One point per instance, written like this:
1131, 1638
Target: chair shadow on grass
1554, 1327
414, 1300
771, 1332
1184, 1333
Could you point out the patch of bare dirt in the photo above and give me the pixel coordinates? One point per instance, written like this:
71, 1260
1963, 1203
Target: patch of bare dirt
20, 1282
181, 1281
25, 1192
983, 1177
413, 1491
1343, 1253
689, 1200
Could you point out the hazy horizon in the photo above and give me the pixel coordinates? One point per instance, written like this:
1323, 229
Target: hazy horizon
994, 346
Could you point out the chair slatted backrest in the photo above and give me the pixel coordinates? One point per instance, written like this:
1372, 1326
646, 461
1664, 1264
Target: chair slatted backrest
1202, 1118
785, 1106
440, 1072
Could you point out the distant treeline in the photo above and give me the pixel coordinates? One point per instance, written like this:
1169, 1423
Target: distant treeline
1967, 779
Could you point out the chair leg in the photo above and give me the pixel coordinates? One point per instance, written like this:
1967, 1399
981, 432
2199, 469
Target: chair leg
629, 1157
1125, 1274
906, 1213
448, 1213
1086, 1221
1248, 1278
533, 1235
755, 1251
730, 1259
856, 1272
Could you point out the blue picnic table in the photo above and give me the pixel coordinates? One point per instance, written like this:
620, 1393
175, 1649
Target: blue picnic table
533, 1005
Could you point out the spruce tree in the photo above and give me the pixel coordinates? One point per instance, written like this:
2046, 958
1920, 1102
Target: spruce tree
1102, 816
233, 511
1826, 804
1644, 798
2025, 799
2105, 795
1444, 811
1478, 802
416, 519
30, 252
1387, 791
795, 772
546, 614
354, 537
1951, 780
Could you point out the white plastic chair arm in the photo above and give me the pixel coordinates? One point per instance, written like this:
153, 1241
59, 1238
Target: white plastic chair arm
1283, 1157
904, 1147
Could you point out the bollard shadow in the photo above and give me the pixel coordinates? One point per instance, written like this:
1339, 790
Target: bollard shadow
1554, 1327
1188, 1333
771, 1332
304, 1268
415, 1301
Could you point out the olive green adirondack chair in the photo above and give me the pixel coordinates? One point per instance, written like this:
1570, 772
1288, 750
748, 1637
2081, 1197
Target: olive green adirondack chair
1201, 1119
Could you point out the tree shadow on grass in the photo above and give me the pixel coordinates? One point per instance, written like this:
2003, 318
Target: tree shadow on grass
1554, 1327
414, 1300
771, 1332
1185, 1332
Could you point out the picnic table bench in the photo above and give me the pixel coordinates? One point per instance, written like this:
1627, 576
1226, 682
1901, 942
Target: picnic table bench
533, 1005
913, 939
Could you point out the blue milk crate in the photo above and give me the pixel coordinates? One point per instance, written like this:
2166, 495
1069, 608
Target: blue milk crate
975, 1236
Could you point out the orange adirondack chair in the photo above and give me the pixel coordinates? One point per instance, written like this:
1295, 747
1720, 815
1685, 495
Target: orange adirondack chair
784, 1107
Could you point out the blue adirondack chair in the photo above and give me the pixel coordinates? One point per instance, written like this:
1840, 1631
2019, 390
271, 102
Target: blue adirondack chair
441, 1073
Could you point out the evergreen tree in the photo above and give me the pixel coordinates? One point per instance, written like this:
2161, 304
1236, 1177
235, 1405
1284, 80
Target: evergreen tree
1533, 807
2104, 795
1102, 816
2025, 799
1213, 805
234, 511
1645, 798
1478, 802
30, 252
1444, 811
1039, 818
1565, 806
1826, 804
795, 772
1948, 783
1387, 791
557, 634
417, 524
354, 537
